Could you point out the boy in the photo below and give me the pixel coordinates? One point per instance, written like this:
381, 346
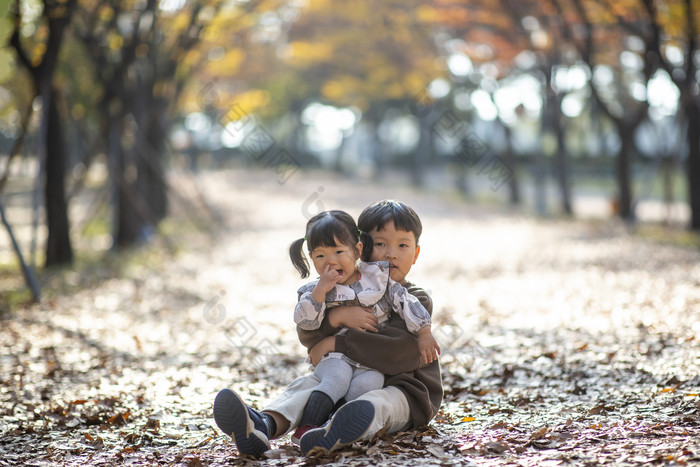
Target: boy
412, 394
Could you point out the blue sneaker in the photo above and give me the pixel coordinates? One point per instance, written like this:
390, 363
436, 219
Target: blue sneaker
348, 425
242, 423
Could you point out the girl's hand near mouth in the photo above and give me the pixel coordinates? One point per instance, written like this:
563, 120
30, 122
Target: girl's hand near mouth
328, 279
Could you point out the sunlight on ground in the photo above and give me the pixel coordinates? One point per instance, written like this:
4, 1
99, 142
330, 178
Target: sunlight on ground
539, 321
478, 266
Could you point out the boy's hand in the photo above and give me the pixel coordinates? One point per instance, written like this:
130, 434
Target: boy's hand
321, 348
355, 317
427, 345
326, 282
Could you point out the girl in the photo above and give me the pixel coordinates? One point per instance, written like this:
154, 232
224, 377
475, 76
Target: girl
336, 247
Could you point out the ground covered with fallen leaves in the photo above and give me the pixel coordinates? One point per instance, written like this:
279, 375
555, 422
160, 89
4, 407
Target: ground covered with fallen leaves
564, 342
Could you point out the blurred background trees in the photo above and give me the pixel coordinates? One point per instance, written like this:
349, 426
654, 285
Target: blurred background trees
537, 103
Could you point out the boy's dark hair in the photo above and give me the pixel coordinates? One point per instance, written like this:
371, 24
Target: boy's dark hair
322, 230
378, 214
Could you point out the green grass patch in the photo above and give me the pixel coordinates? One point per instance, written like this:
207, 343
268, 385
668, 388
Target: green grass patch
95, 227
15, 299
669, 235
89, 270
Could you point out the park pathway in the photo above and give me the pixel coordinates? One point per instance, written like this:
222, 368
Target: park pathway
565, 342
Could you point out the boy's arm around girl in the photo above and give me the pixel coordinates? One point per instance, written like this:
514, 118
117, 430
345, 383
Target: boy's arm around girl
394, 352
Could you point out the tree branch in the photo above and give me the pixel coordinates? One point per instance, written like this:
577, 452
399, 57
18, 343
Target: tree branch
17, 44
631, 27
692, 37
18, 142
586, 51
656, 40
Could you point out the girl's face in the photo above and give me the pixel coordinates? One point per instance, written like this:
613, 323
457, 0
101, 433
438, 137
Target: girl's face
340, 257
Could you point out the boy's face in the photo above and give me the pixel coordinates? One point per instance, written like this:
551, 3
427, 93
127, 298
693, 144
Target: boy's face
396, 246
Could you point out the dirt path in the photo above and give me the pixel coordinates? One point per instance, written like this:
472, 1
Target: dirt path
564, 343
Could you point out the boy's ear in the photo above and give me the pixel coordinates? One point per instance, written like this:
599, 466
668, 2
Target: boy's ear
358, 247
415, 255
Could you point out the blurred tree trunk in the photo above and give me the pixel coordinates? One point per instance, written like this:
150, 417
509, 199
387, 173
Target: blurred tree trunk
126, 93
627, 123
549, 128
58, 244
552, 122
294, 139
373, 118
692, 111
115, 158
155, 187
553, 129
562, 158
511, 161
149, 150
52, 150
461, 175
140, 89
626, 127
691, 107
423, 151
667, 185
127, 225
625, 130
130, 225
539, 175
687, 83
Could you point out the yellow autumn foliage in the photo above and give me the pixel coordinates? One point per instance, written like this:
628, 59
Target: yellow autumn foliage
229, 64
252, 100
305, 52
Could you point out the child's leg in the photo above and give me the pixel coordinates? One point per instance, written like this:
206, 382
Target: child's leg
391, 411
335, 376
360, 419
288, 406
249, 428
364, 381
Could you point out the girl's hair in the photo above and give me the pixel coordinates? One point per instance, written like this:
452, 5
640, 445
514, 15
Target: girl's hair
322, 230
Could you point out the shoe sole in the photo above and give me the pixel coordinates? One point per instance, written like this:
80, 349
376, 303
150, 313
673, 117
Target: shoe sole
231, 416
348, 424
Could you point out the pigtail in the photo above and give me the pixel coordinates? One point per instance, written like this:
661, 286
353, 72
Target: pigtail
367, 245
298, 259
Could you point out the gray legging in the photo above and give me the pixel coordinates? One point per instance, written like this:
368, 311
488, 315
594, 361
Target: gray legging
339, 378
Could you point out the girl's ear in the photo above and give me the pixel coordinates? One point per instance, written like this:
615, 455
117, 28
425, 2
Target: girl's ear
358, 249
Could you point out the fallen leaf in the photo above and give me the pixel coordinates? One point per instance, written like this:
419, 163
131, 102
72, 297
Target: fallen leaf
600, 409
497, 446
539, 433
435, 450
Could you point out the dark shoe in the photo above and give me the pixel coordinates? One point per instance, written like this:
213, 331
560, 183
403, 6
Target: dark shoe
242, 423
296, 437
348, 425
317, 410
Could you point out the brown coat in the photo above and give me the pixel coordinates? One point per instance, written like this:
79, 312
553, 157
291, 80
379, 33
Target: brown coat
400, 359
